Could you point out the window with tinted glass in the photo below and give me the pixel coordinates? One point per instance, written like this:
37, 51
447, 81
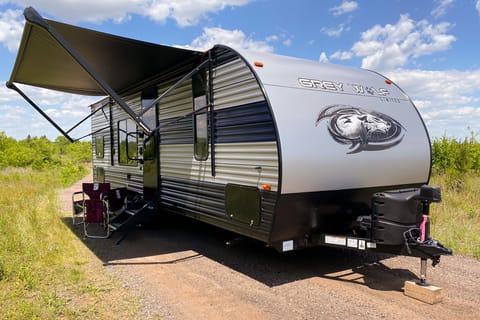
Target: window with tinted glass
148, 96
127, 142
99, 147
200, 118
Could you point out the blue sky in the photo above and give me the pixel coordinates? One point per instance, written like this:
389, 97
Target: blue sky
430, 48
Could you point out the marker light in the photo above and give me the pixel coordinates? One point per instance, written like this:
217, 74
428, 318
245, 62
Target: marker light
258, 64
388, 81
267, 187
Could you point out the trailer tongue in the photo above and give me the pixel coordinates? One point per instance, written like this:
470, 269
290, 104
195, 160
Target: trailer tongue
399, 224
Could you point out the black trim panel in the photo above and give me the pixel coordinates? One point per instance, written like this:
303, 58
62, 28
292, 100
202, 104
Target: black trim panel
299, 215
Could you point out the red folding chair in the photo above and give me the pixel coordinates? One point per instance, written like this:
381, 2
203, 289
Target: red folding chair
96, 211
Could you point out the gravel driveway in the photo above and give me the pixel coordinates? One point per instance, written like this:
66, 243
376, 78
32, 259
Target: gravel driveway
183, 269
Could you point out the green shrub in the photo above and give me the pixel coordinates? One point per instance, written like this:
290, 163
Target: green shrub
69, 159
449, 154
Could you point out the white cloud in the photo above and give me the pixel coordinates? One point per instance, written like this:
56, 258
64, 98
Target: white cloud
287, 42
342, 55
391, 46
335, 32
7, 95
282, 38
65, 109
344, 7
185, 13
444, 98
452, 122
232, 38
11, 26
441, 9
477, 6
323, 57
11, 113
449, 87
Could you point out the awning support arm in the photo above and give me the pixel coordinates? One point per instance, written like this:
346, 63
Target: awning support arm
32, 16
12, 86
93, 133
175, 86
87, 117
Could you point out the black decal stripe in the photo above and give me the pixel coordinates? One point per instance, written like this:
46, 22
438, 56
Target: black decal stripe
247, 123
176, 131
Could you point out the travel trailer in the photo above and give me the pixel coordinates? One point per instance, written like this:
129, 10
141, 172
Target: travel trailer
291, 152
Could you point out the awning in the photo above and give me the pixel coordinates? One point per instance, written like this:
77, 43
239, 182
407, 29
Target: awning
121, 62
76, 60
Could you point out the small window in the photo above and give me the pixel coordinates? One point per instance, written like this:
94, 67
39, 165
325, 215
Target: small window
99, 147
201, 129
127, 142
149, 151
200, 118
148, 96
100, 173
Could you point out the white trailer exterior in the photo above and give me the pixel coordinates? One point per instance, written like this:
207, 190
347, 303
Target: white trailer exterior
291, 152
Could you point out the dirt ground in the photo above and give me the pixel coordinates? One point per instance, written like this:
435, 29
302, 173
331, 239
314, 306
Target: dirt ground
182, 269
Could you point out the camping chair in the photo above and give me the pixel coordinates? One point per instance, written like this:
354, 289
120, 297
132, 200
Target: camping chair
117, 201
78, 199
95, 209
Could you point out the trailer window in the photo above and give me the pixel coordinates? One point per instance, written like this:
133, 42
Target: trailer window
100, 173
99, 147
127, 142
148, 96
201, 132
200, 120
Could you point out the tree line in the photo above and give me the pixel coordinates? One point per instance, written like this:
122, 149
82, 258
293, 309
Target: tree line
63, 158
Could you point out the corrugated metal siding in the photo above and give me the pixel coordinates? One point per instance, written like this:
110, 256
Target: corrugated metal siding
175, 110
206, 202
246, 150
234, 84
176, 104
251, 164
118, 175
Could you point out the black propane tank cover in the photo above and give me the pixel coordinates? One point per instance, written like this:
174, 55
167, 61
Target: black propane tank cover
430, 194
394, 212
400, 206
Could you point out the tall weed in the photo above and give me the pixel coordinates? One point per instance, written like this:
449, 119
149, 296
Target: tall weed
43, 265
456, 220
456, 168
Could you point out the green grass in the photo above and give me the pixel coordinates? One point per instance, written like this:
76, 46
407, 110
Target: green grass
45, 270
456, 220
